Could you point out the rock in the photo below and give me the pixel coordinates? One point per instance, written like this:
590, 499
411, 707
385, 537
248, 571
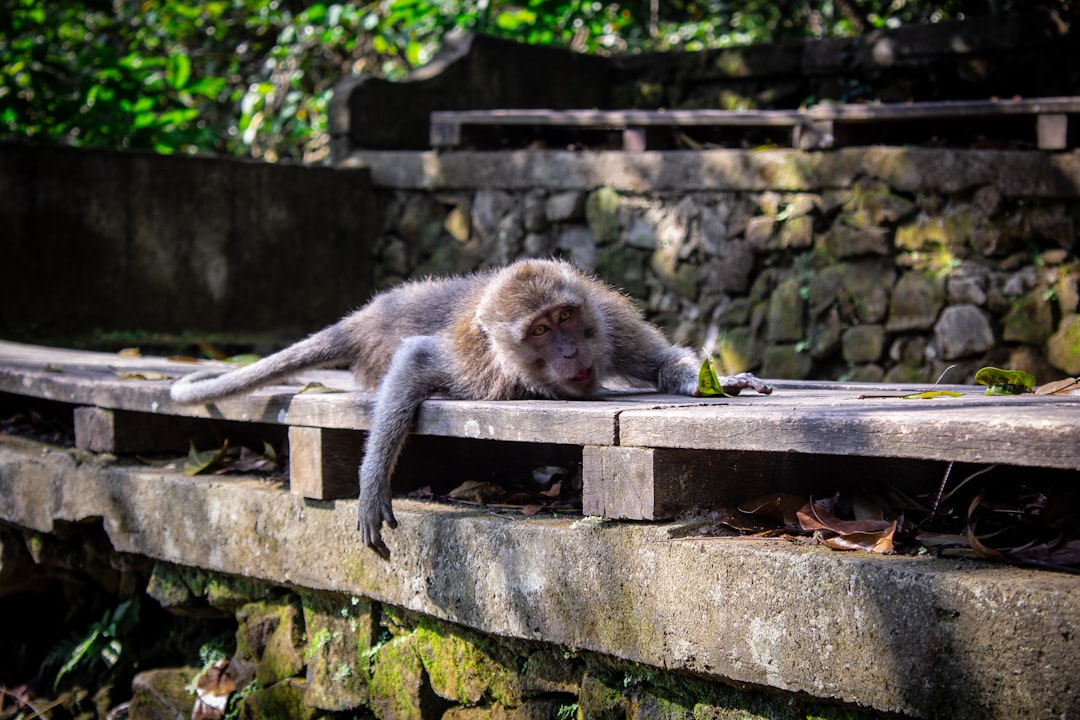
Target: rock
966, 289
871, 373
793, 233
786, 305
825, 334
786, 361
577, 244
398, 688
1067, 290
281, 700
842, 241
987, 200
680, 278
1030, 321
737, 350
916, 301
602, 215
335, 626
464, 667
162, 694
534, 213
962, 331
641, 234
863, 343
567, 206
731, 268
271, 634
1063, 348
759, 230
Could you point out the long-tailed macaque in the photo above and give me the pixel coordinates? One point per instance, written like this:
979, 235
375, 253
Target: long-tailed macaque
537, 329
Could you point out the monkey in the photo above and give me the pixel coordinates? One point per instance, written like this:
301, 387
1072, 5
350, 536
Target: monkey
535, 329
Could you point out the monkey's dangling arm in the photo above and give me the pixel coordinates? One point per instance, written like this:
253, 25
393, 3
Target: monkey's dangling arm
416, 372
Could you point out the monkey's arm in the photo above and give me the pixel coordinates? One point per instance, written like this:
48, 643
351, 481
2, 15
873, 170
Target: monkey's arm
416, 373
325, 347
642, 352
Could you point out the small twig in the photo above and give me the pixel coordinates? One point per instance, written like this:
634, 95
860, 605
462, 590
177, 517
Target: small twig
941, 489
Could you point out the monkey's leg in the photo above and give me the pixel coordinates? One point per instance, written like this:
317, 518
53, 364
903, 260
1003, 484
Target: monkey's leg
414, 375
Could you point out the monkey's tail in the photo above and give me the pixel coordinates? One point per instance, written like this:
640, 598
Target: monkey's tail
323, 348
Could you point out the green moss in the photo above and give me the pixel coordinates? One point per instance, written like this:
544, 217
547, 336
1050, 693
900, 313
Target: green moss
466, 667
602, 215
283, 701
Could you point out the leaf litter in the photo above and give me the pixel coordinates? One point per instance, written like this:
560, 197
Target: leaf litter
985, 515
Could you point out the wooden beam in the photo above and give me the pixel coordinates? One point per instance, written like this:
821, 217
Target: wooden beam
323, 462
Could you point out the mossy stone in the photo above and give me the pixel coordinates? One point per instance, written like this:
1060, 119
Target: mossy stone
1063, 348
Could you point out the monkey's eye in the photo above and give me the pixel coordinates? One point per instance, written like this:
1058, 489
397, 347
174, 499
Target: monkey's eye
539, 330
565, 315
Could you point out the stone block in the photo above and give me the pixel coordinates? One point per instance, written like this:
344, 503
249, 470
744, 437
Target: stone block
464, 666
271, 634
1030, 320
162, 694
786, 361
339, 631
916, 302
786, 321
863, 343
1063, 348
962, 331
602, 214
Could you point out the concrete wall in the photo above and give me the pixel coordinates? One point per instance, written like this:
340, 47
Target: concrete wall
97, 240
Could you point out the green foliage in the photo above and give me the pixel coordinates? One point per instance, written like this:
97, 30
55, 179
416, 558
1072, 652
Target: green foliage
90, 655
254, 78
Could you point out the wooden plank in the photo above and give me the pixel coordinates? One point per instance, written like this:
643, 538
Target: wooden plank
1033, 431
638, 483
118, 431
87, 378
1053, 131
323, 462
815, 128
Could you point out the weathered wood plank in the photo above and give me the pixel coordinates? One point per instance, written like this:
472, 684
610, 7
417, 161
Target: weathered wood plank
817, 127
1035, 431
92, 379
118, 431
323, 462
638, 483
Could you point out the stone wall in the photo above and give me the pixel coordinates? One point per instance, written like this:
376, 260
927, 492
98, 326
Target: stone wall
863, 264
303, 653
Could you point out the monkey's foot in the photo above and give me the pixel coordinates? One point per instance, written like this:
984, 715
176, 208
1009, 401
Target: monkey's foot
733, 384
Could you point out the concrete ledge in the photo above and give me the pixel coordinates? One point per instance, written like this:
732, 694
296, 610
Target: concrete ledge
907, 635
1015, 173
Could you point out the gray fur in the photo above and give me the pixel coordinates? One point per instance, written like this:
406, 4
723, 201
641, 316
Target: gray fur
468, 337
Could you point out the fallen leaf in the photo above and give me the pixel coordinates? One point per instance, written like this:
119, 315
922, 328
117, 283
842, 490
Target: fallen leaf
708, 382
130, 352
476, 491
1005, 382
781, 507
199, 462
140, 375
1066, 386
243, 359
318, 387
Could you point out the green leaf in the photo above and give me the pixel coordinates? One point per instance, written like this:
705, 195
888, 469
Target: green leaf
199, 462
931, 394
1005, 382
178, 70
708, 383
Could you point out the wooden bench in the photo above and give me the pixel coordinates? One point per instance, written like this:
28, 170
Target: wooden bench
1041, 122
642, 456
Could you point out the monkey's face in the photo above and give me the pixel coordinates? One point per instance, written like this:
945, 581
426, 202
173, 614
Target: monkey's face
559, 339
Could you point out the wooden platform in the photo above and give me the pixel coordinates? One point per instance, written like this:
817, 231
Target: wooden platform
642, 456
1038, 122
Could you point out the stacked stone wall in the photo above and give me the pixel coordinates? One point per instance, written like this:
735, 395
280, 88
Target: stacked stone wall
826, 266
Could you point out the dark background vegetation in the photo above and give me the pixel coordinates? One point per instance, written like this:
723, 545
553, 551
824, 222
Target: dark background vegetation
251, 78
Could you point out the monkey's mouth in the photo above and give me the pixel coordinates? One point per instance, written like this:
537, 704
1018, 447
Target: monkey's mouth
584, 379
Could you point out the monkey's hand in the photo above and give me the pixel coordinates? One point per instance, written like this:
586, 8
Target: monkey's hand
734, 384
374, 509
